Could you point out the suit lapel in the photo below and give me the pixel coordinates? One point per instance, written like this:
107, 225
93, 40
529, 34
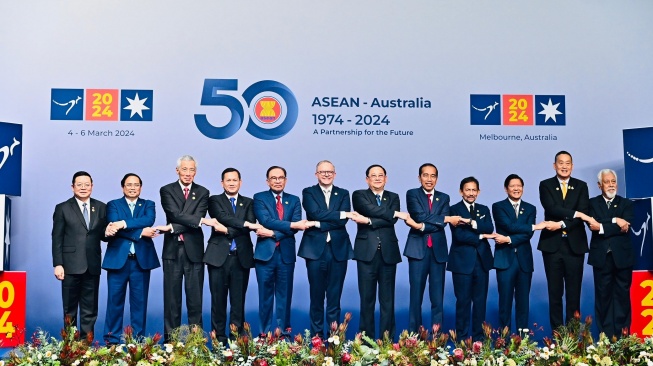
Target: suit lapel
75, 208
92, 213
137, 208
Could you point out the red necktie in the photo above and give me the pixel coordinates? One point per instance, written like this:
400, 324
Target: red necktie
279, 210
186, 190
429, 241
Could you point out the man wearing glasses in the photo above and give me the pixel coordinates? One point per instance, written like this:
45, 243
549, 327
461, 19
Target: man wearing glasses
326, 246
376, 250
129, 258
280, 214
78, 226
185, 204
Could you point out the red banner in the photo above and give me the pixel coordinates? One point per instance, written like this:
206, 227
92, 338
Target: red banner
13, 288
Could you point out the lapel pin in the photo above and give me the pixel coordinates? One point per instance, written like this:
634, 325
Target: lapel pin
571, 187
557, 188
286, 202
140, 204
614, 205
92, 209
193, 197
241, 204
335, 193
384, 198
437, 198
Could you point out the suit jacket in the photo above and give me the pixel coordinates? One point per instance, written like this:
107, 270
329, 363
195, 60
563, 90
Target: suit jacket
265, 210
217, 250
519, 229
314, 239
433, 220
184, 215
612, 237
381, 231
74, 246
465, 242
118, 247
557, 209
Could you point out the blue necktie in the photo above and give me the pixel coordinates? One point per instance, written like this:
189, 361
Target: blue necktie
86, 218
131, 244
378, 199
233, 205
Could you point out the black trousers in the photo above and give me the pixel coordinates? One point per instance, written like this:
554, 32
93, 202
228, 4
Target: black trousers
229, 280
81, 291
564, 275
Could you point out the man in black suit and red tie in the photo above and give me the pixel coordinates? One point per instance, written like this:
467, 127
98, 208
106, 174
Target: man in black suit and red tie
230, 253
611, 256
185, 204
376, 250
78, 226
564, 242
326, 246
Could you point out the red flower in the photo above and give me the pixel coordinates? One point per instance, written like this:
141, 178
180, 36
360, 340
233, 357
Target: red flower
476, 347
316, 342
346, 357
458, 354
263, 363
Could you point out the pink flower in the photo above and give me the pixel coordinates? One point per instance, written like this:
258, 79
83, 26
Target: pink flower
263, 363
316, 342
346, 357
476, 347
458, 354
396, 347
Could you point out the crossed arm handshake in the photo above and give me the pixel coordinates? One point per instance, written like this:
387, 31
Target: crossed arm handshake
596, 226
149, 232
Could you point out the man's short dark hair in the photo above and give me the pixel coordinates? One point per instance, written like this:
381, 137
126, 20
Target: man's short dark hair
267, 174
81, 173
428, 164
506, 183
367, 172
469, 180
562, 152
229, 170
122, 182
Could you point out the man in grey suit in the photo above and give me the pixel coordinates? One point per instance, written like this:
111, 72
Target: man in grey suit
78, 227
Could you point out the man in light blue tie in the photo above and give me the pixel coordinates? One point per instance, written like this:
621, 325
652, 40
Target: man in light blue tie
129, 258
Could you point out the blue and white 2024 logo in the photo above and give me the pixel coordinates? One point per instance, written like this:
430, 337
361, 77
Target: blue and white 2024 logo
101, 105
11, 158
271, 105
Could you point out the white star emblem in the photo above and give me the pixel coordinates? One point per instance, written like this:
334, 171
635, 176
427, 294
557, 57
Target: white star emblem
550, 111
137, 105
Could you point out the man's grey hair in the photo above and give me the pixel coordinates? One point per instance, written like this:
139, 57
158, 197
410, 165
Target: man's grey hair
322, 162
604, 172
186, 158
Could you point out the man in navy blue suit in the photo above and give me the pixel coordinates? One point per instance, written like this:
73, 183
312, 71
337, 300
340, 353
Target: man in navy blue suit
513, 255
280, 214
426, 245
611, 256
129, 258
376, 250
470, 259
326, 246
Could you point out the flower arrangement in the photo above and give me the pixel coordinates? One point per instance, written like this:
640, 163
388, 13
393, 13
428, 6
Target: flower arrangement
570, 345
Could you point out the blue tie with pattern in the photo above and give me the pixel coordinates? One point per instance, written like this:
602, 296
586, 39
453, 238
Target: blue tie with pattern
378, 199
233, 205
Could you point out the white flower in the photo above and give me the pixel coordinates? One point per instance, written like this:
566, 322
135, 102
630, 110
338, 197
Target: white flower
336, 340
54, 357
596, 358
180, 345
606, 361
169, 347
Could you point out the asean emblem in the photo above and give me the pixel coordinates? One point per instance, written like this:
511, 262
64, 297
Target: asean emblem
267, 110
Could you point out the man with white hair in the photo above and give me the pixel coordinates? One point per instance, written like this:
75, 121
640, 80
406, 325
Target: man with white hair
611, 255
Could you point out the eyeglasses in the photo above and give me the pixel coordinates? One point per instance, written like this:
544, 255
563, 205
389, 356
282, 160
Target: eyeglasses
186, 170
277, 179
83, 185
132, 185
326, 173
374, 176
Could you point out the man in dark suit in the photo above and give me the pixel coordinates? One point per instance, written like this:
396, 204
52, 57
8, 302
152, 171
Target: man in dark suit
185, 204
280, 214
611, 256
376, 250
470, 259
564, 242
129, 258
230, 253
78, 226
513, 255
426, 246
326, 246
